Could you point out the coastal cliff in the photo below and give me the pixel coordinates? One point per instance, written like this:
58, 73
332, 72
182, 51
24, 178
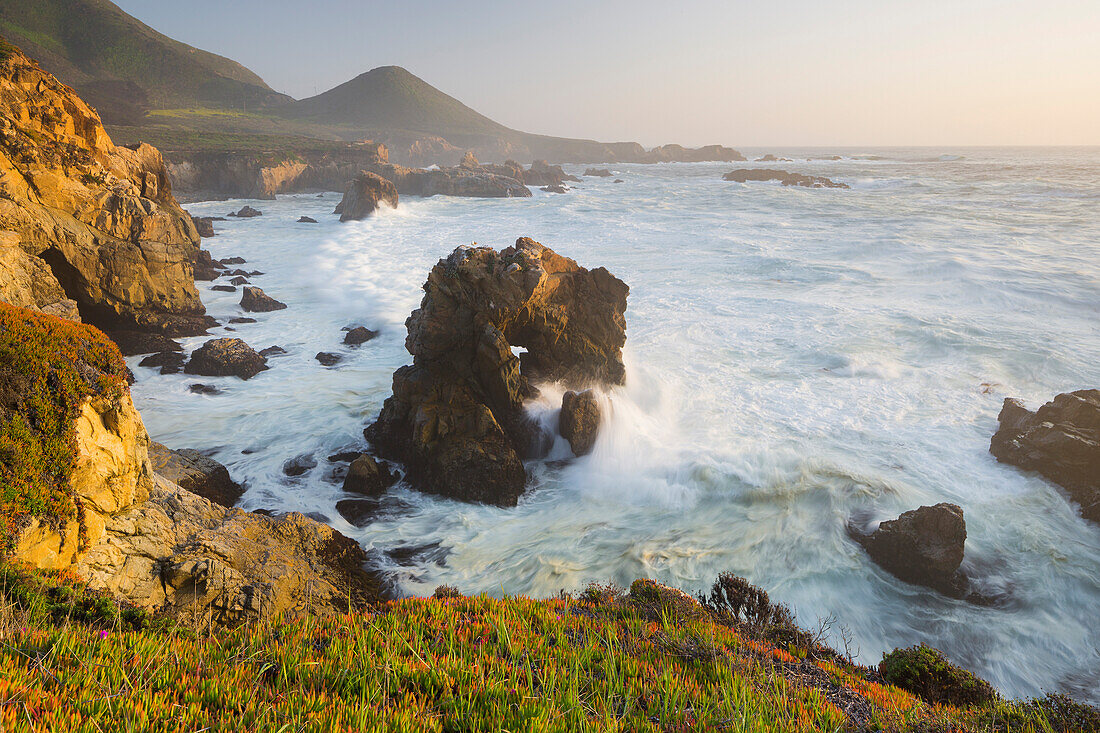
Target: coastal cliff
102, 218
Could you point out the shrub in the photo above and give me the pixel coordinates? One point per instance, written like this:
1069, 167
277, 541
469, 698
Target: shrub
926, 673
602, 594
48, 368
662, 600
737, 598
446, 591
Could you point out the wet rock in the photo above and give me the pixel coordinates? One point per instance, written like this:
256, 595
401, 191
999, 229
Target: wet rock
307, 220
579, 422
359, 512
598, 172
247, 212
619, 180
255, 300
745, 175
363, 196
239, 281
205, 267
1060, 441
224, 288
195, 472
299, 465
226, 357
132, 343
232, 261
327, 358
359, 335
466, 383
170, 362
344, 456
557, 188
206, 389
204, 225
923, 546
242, 320
366, 476
272, 351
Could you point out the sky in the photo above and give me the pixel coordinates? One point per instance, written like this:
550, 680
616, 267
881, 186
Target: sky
734, 72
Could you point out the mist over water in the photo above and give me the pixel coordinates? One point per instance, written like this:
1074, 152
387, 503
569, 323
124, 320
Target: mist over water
795, 357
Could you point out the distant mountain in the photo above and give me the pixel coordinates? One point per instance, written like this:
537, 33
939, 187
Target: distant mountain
122, 66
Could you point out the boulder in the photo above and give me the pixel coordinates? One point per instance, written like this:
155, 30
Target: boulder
206, 389
598, 172
299, 465
193, 559
744, 175
255, 300
226, 357
247, 212
359, 512
232, 261
579, 421
556, 188
456, 418
366, 476
327, 358
239, 280
359, 335
243, 320
206, 268
224, 289
101, 218
1061, 441
204, 225
923, 546
307, 220
131, 343
194, 472
170, 362
272, 351
363, 196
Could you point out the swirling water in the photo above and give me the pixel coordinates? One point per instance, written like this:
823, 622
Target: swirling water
795, 357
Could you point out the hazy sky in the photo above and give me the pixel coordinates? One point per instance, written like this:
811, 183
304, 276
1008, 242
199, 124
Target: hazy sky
737, 72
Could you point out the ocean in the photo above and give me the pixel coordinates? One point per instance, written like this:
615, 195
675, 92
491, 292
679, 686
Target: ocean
795, 358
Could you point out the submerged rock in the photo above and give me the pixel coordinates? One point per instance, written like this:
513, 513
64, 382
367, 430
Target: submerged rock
556, 188
272, 351
456, 418
247, 212
226, 357
193, 471
224, 289
170, 362
299, 464
363, 196
131, 343
745, 175
206, 389
307, 220
923, 546
1061, 441
255, 300
579, 422
327, 358
598, 172
359, 335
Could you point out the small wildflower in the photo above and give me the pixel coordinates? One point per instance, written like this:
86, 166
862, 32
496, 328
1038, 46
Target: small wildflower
103, 634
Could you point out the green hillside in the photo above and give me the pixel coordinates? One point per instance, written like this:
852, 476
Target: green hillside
122, 66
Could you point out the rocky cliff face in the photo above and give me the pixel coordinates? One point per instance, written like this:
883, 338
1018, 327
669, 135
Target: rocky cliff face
456, 415
101, 217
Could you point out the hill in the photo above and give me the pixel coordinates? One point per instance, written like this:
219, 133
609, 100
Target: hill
122, 66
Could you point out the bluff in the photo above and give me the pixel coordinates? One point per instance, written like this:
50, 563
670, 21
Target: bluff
456, 416
102, 218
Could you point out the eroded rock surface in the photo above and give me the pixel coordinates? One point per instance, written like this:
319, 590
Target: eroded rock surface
226, 357
923, 546
101, 217
1061, 441
199, 474
579, 421
456, 416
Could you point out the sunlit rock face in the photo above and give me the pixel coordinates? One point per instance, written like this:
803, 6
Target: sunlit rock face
456, 416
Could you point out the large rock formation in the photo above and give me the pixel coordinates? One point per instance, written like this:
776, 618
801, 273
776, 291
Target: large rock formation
101, 217
744, 175
1061, 440
27, 282
190, 557
456, 416
457, 181
923, 546
363, 196
191, 470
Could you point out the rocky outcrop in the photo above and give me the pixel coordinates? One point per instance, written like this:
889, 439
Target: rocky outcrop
363, 196
457, 181
359, 335
540, 173
27, 282
1061, 441
204, 225
366, 476
598, 172
923, 546
744, 175
101, 217
579, 420
191, 470
189, 557
246, 212
255, 300
456, 416
226, 357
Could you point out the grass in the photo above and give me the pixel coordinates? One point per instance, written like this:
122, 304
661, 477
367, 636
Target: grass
606, 661
48, 368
